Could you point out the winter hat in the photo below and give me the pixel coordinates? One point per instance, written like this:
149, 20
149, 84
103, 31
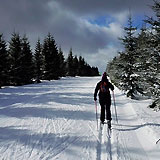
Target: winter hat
104, 74
104, 77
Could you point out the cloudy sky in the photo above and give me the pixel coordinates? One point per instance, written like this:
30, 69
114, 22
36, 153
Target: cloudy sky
90, 27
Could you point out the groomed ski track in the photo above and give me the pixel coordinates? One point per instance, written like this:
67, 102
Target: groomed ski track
55, 120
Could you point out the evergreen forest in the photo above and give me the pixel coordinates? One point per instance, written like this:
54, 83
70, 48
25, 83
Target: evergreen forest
136, 69
19, 65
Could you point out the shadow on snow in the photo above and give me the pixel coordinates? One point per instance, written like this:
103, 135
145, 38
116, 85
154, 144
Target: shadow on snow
38, 100
51, 144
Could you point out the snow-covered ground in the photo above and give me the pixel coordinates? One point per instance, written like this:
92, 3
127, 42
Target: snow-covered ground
56, 120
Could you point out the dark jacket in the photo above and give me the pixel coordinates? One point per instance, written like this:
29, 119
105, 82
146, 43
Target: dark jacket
104, 97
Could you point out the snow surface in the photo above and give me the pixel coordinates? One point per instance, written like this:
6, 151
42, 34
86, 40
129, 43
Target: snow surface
56, 120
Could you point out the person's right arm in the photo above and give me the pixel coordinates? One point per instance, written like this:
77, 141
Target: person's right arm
96, 91
111, 86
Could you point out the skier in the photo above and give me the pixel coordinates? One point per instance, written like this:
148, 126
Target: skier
104, 98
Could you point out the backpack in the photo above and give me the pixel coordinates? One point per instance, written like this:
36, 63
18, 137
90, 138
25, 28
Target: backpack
103, 87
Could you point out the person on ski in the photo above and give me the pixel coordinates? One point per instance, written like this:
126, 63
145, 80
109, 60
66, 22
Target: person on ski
104, 98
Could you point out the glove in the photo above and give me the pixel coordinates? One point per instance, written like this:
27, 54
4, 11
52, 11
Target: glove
95, 98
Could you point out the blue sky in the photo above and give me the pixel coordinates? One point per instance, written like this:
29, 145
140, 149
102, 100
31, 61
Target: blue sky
103, 20
90, 27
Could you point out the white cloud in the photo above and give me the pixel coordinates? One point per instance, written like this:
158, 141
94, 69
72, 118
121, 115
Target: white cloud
122, 16
68, 21
102, 57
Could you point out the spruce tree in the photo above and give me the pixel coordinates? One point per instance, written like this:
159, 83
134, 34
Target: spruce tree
115, 70
15, 51
4, 62
155, 54
51, 58
38, 60
81, 66
75, 66
70, 68
26, 62
143, 62
94, 71
130, 43
62, 71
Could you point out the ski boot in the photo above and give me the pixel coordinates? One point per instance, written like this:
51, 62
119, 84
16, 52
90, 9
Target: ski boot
109, 124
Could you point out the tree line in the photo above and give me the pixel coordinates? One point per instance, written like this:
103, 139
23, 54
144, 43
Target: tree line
136, 69
19, 65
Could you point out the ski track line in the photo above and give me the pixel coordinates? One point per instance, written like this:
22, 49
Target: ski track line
79, 140
60, 148
122, 148
89, 124
99, 143
149, 136
93, 131
104, 146
103, 143
107, 143
31, 139
32, 149
121, 144
61, 127
144, 120
129, 136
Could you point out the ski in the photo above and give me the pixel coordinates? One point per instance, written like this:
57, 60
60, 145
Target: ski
157, 141
109, 130
101, 125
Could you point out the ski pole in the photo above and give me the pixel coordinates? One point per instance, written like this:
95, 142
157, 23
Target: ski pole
96, 114
115, 106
